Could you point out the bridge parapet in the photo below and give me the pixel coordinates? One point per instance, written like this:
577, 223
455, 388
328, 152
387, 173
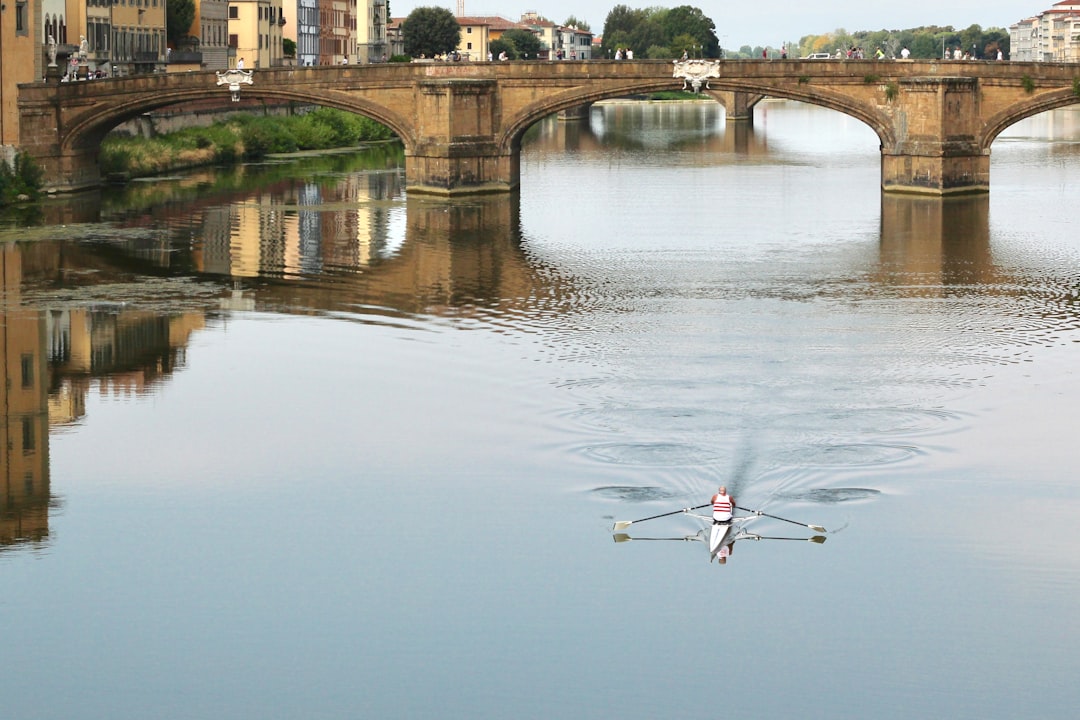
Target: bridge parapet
461, 123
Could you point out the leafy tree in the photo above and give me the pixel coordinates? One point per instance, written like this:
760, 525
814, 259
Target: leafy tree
430, 31
579, 24
19, 181
288, 47
525, 43
497, 47
622, 18
657, 52
179, 14
614, 41
687, 20
683, 42
972, 39
649, 32
924, 46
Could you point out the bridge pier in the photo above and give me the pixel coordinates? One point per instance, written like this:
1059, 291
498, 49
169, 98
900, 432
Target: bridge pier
738, 106
456, 151
64, 169
936, 152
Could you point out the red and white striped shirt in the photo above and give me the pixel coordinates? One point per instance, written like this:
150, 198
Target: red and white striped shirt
722, 505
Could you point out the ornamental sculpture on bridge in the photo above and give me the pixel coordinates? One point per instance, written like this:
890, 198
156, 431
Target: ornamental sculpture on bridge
696, 72
234, 79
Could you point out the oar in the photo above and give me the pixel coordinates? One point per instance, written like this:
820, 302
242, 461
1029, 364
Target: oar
816, 528
623, 537
623, 524
818, 539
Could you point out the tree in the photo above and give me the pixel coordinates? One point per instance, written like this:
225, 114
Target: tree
579, 24
179, 14
430, 31
524, 43
622, 18
687, 20
647, 33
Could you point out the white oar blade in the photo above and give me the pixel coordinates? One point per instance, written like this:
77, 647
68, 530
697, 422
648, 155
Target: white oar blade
621, 525
817, 528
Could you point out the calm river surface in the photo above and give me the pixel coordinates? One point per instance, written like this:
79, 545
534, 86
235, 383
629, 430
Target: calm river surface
284, 443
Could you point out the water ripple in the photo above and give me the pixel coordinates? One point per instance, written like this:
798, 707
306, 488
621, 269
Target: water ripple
831, 496
852, 454
626, 493
650, 454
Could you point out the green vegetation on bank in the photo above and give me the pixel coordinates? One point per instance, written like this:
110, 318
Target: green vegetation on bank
239, 138
21, 181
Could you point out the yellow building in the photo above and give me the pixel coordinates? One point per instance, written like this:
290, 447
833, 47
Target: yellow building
21, 61
255, 33
475, 38
24, 416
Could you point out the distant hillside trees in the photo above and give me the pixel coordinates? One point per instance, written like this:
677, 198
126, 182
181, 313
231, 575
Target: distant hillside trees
925, 43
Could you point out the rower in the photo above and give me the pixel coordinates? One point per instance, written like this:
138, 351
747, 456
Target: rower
722, 507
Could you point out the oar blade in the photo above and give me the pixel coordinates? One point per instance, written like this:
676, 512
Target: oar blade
818, 539
621, 525
817, 528
621, 537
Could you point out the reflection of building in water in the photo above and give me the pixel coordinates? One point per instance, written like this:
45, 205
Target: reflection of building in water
125, 351
52, 357
24, 417
340, 224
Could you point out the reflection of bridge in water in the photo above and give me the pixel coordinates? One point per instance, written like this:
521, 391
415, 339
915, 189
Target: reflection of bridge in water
331, 247
684, 132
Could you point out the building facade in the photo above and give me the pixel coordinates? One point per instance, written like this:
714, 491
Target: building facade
255, 33
1051, 36
371, 43
211, 30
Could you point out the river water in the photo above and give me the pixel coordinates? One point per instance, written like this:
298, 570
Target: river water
284, 443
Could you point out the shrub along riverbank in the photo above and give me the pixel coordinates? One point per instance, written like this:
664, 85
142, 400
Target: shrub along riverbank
237, 139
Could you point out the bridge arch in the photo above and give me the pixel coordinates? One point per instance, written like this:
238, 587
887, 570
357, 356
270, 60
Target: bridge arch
88, 129
462, 123
998, 123
514, 128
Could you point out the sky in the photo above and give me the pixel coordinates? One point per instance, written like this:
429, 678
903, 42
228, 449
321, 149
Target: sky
744, 23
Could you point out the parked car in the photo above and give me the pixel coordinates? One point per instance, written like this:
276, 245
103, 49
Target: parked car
818, 56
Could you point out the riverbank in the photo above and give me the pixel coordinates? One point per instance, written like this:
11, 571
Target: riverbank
239, 138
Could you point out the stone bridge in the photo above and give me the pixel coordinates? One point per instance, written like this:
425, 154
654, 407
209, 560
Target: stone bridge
462, 123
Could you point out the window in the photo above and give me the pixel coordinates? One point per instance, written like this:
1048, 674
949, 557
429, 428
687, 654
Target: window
29, 439
234, 41
234, 12
27, 371
22, 25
